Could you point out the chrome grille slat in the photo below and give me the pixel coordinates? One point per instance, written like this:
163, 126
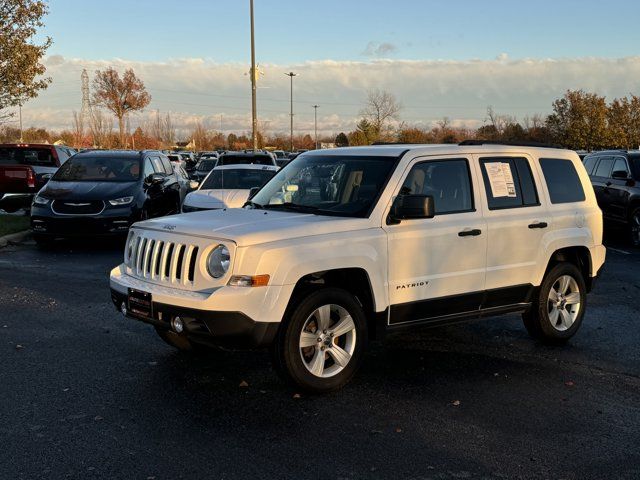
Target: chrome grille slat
162, 261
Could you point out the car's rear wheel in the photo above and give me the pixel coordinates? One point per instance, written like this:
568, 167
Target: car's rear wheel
321, 343
634, 227
557, 312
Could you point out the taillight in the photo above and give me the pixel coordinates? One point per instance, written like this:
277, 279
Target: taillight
31, 178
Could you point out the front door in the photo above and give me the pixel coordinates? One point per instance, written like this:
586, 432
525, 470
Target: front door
437, 265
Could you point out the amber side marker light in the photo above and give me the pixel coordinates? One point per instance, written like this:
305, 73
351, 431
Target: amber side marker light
249, 281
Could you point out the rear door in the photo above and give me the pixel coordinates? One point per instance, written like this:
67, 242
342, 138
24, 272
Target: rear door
600, 179
516, 223
25, 169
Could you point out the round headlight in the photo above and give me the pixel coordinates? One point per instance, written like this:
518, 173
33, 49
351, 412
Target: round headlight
218, 261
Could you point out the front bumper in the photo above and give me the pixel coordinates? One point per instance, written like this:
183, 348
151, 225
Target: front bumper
230, 316
112, 221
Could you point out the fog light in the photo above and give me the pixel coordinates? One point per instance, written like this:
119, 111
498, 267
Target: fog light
123, 308
177, 325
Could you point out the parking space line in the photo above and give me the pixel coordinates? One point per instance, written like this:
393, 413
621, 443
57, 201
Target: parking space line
619, 251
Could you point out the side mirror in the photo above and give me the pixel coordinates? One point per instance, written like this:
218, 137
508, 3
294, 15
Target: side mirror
154, 179
193, 184
620, 175
253, 191
410, 207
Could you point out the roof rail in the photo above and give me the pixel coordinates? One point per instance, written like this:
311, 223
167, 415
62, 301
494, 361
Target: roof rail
507, 143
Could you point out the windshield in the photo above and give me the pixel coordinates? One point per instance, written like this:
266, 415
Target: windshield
245, 160
98, 169
206, 165
174, 158
279, 153
343, 186
237, 179
26, 156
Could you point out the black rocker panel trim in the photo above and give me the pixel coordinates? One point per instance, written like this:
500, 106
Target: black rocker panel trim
462, 306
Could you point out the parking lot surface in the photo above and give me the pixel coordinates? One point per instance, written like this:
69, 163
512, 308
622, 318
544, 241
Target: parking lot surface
85, 393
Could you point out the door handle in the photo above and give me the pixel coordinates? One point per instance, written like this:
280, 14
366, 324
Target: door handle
470, 233
538, 225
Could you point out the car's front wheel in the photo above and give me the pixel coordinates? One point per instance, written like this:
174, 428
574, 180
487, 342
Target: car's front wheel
556, 314
321, 343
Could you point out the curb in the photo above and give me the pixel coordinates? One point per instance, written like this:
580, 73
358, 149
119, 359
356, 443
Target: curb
14, 238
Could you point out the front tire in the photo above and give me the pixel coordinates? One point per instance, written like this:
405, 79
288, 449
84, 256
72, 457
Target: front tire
320, 345
556, 314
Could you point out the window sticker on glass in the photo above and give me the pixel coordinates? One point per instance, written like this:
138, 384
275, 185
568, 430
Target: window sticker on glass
500, 179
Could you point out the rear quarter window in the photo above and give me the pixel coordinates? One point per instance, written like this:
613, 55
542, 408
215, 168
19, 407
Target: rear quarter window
589, 163
562, 180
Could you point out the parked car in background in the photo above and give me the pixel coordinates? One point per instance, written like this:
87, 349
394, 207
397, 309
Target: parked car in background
103, 193
208, 155
615, 176
186, 183
25, 168
247, 157
228, 186
404, 236
203, 168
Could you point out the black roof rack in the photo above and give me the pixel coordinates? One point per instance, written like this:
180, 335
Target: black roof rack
466, 143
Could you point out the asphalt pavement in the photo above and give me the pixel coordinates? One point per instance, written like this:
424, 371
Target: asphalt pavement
85, 393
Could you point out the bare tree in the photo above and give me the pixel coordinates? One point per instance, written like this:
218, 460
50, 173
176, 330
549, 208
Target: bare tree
100, 127
78, 129
381, 108
167, 130
119, 95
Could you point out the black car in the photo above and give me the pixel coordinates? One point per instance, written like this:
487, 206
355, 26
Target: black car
103, 193
203, 168
615, 175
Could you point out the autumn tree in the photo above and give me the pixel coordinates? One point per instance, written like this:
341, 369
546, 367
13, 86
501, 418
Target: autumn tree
579, 121
20, 55
119, 95
381, 108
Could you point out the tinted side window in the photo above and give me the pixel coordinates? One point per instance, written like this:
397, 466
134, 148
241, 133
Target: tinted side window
508, 182
604, 167
157, 164
562, 180
589, 163
167, 165
448, 181
620, 165
148, 167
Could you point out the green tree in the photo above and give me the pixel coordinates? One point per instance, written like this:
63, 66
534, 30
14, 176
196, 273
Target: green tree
579, 121
20, 56
341, 140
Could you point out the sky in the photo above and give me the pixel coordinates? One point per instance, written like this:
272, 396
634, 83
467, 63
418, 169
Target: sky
439, 58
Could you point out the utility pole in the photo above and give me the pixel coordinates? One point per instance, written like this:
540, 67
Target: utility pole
315, 122
20, 115
254, 75
291, 75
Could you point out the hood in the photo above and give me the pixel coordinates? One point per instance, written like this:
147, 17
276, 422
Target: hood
251, 227
217, 198
88, 191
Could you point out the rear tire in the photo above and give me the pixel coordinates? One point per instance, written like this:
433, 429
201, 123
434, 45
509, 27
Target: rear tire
321, 343
556, 314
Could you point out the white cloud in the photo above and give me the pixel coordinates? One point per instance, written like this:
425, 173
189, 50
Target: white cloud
196, 89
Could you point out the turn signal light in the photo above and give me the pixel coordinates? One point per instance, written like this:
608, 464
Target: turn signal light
249, 281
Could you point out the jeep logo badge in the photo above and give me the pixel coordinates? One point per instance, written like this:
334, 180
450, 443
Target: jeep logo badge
169, 227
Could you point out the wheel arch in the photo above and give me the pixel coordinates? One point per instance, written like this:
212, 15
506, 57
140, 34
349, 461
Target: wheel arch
354, 280
578, 256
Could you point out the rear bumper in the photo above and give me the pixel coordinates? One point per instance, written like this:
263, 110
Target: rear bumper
206, 327
15, 201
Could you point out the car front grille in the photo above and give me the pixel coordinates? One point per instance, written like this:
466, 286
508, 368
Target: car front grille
62, 207
162, 261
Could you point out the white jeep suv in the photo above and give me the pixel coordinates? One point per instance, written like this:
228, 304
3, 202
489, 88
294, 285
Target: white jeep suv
348, 244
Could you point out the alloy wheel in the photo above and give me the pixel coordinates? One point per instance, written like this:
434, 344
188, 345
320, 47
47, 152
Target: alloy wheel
563, 303
327, 340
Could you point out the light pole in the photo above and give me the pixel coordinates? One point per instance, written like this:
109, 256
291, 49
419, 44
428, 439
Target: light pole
20, 116
315, 122
254, 74
291, 75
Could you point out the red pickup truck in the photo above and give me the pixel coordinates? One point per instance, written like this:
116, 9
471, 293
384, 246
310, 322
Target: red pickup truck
25, 168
